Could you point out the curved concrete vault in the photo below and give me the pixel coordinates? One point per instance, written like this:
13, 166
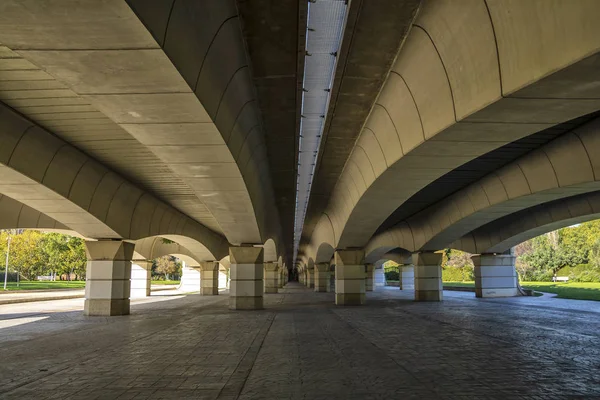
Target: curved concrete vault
464, 83
144, 90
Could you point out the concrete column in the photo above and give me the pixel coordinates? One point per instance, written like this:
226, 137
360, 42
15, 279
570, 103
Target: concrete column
209, 278
379, 278
331, 286
190, 278
407, 277
428, 276
281, 276
495, 275
141, 278
349, 277
247, 273
321, 277
271, 272
310, 277
223, 279
108, 275
369, 277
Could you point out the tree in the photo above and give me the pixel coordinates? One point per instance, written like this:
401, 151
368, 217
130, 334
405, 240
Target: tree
65, 254
167, 265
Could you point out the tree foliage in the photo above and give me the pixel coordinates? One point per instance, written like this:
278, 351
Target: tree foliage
34, 253
167, 265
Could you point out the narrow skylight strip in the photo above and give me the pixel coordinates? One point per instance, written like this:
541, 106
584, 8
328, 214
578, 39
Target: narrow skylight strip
325, 27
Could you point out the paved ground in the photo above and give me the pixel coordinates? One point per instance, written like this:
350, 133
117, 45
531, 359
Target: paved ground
301, 346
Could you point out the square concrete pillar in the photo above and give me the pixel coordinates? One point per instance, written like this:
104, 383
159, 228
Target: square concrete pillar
281, 277
407, 277
369, 277
209, 278
271, 272
349, 277
378, 278
247, 274
141, 279
190, 279
310, 277
321, 277
495, 275
223, 279
428, 276
108, 277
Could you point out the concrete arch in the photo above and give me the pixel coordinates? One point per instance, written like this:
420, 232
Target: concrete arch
455, 93
16, 215
396, 254
190, 105
190, 251
501, 235
271, 251
47, 174
565, 167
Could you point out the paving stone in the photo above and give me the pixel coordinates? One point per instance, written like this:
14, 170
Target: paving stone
301, 346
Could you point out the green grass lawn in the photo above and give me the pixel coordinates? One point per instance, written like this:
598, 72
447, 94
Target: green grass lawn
460, 284
572, 290
41, 285
165, 282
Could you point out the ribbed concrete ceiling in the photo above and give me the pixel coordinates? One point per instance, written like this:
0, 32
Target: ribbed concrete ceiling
476, 169
374, 33
274, 32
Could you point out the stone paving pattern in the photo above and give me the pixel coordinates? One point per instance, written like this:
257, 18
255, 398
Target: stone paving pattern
303, 347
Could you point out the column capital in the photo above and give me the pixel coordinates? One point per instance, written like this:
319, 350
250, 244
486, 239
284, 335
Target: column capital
427, 258
349, 257
116, 250
209, 266
246, 255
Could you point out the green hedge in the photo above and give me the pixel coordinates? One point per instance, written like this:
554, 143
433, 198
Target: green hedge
392, 275
580, 273
458, 274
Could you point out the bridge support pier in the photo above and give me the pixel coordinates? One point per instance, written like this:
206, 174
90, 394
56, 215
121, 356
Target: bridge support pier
310, 277
108, 275
321, 277
370, 277
190, 279
247, 274
495, 275
271, 280
378, 278
209, 278
428, 276
349, 277
141, 279
407, 277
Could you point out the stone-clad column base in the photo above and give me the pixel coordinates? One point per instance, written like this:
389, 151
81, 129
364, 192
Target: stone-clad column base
407, 277
378, 278
247, 273
495, 275
310, 277
108, 275
209, 278
141, 279
349, 277
369, 277
271, 282
190, 279
321, 277
428, 276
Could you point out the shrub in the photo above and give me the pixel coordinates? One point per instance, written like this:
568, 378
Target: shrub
458, 274
392, 275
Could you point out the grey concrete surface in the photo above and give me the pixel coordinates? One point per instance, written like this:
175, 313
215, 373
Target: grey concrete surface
302, 346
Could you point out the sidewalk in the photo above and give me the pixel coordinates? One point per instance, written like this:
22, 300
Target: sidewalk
40, 295
26, 296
